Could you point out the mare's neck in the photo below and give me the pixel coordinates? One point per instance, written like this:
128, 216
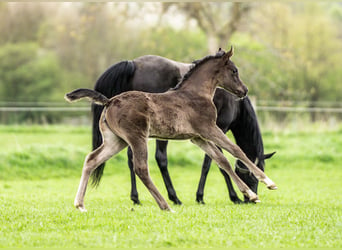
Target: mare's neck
246, 131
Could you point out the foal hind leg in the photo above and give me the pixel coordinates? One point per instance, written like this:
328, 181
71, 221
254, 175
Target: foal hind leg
139, 149
221, 140
111, 145
223, 163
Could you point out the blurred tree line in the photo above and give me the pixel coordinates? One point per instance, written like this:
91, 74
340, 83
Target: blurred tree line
285, 51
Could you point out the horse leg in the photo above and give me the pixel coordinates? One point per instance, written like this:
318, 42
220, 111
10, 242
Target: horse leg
204, 173
221, 140
111, 145
231, 191
161, 158
223, 163
200, 190
139, 149
134, 191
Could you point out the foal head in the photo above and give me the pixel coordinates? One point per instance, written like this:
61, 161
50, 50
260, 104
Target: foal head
228, 75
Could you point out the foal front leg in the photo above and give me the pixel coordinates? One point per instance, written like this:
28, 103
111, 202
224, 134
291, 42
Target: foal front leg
221, 140
223, 163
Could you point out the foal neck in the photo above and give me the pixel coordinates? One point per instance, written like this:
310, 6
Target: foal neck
202, 80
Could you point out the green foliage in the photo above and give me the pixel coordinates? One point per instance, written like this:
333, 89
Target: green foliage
27, 73
182, 45
285, 51
304, 47
36, 205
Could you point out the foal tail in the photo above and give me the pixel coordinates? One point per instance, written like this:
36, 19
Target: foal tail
93, 95
115, 80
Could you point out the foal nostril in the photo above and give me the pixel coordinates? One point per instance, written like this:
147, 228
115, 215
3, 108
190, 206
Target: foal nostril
246, 90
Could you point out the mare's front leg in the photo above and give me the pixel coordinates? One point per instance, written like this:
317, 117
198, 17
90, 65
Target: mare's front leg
161, 158
204, 173
200, 190
111, 145
223, 163
220, 139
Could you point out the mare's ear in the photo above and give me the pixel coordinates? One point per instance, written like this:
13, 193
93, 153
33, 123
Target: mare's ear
267, 156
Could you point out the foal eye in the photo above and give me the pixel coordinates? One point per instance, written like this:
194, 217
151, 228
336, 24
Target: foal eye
234, 71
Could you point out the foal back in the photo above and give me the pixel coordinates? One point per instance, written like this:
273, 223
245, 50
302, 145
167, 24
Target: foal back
166, 115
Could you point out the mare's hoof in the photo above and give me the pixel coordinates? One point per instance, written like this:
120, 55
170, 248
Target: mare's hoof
177, 202
201, 202
236, 200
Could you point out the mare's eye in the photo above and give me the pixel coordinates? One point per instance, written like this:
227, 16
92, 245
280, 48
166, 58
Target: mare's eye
234, 71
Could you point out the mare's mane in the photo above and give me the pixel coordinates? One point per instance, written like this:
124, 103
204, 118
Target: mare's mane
248, 130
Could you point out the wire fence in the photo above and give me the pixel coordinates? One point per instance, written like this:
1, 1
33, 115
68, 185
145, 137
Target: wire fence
61, 112
258, 108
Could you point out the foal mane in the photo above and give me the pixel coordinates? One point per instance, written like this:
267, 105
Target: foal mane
196, 65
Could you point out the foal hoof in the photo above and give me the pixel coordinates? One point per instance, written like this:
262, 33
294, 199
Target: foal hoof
170, 210
272, 187
269, 183
81, 208
253, 197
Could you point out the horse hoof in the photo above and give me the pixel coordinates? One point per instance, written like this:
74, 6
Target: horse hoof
177, 202
82, 209
269, 183
272, 187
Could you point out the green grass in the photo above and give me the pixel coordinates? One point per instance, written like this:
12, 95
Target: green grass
40, 169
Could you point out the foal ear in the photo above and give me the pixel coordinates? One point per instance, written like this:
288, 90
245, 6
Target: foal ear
230, 52
228, 55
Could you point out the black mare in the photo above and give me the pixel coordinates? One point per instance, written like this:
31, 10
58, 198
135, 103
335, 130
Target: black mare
157, 74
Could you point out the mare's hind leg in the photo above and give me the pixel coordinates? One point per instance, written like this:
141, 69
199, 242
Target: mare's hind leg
223, 163
139, 149
221, 140
134, 191
111, 145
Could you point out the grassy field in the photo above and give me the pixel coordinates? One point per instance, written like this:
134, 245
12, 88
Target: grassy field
40, 169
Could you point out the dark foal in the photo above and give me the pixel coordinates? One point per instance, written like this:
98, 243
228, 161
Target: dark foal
156, 74
185, 112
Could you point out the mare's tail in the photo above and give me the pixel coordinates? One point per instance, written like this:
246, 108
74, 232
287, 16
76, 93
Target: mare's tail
113, 81
93, 95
